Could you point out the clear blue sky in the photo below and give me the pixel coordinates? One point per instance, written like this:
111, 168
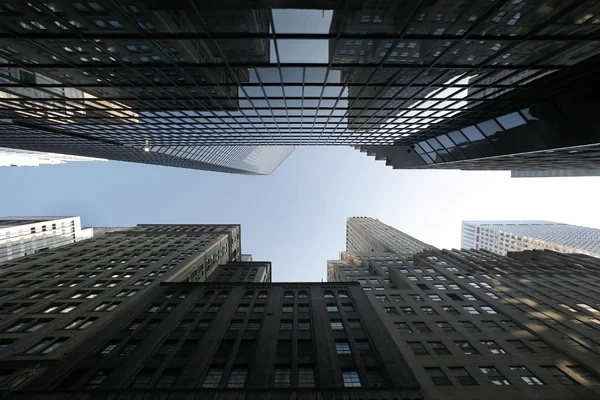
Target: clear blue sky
296, 216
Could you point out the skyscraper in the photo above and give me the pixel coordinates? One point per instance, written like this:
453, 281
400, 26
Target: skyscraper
421, 84
474, 325
165, 311
365, 234
24, 158
501, 237
20, 236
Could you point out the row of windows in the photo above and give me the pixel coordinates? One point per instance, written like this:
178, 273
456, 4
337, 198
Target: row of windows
440, 349
464, 378
428, 310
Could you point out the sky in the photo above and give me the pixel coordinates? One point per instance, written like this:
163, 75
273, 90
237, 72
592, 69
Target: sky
296, 217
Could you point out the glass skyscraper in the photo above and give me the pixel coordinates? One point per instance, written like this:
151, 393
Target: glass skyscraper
462, 84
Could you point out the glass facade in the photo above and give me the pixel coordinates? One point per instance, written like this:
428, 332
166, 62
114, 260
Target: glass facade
173, 77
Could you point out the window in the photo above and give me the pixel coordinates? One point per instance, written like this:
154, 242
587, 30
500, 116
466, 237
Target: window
213, 308
559, 375
285, 325
493, 347
445, 326
328, 294
135, 324
403, 327
258, 308
168, 378
488, 309
363, 346
416, 297
381, 297
288, 294
46, 345
131, 346
390, 310
287, 308
437, 376
509, 324
439, 348
235, 325
495, 376
303, 294
469, 296
304, 325
282, 376
243, 308
348, 307
520, 346
354, 323
439, 286
306, 376
342, 347
332, 307
471, 310
449, 309
248, 294
462, 376
428, 310
212, 378
417, 348
351, 378
466, 347
492, 326
408, 311
469, 326
585, 374
421, 327
526, 375
253, 325
237, 378
396, 297
263, 294
336, 325
113, 344
97, 379
203, 324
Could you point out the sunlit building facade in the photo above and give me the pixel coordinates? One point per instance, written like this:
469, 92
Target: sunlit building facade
501, 237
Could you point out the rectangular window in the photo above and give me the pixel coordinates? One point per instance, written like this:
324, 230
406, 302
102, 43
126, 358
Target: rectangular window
488, 309
526, 375
493, 347
417, 348
306, 376
46, 345
363, 346
168, 378
287, 308
235, 325
332, 307
285, 325
466, 347
390, 310
434, 297
336, 325
354, 323
445, 326
402, 327
439, 348
462, 376
421, 327
113, 344
351, 378
520, 346
449, 309
213, 378
237, 378
559, 375
342, 347
471, 310
428, 310
253, 325
304, 325
282, 376
408, 311
495, 376
437, 376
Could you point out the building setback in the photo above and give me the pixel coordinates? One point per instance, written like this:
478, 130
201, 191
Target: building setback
165, 311
501, 237
472, 324
20, 236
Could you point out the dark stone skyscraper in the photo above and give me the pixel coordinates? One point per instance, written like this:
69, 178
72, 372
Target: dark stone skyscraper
473, 324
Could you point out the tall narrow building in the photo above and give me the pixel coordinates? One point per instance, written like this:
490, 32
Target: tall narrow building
501, 237
369, 234
20, 236
170, 311
474, 325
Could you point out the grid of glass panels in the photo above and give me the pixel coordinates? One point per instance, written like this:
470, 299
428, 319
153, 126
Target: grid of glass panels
196, 74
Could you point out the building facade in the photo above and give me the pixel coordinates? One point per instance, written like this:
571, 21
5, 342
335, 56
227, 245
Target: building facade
24, 158
437, 78
20, 236
473, 325
501, 237
165, 311
365, 234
